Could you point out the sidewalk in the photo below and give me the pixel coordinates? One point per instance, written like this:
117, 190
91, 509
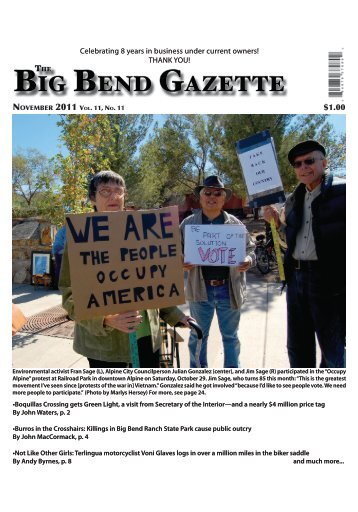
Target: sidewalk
262, 331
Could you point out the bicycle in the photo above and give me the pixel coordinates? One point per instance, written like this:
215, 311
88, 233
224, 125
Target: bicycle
265, 252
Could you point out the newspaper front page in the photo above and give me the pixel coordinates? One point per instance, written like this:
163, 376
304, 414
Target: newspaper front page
163, 93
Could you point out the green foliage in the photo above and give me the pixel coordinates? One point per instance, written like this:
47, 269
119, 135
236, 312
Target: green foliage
286, 130
174, 160
230, 128
316, 127
31, 175
95, 143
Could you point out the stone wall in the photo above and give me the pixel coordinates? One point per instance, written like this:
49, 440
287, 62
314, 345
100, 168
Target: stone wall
32, 234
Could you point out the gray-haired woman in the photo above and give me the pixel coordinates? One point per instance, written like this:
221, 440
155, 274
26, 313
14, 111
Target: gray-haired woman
104, 340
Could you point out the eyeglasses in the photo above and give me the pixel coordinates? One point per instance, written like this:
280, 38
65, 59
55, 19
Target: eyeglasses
107, 192
306, 161
216, 193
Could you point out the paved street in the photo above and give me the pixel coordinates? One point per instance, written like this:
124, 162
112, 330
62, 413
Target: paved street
262, 331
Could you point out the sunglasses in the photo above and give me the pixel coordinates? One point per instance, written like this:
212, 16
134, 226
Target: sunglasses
306, 161
107, 192
216, 193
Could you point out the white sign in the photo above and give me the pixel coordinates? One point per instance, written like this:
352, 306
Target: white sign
220, 245
260, 169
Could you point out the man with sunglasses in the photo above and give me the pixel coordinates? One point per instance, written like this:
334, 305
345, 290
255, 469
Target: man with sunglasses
314, 222
217, 289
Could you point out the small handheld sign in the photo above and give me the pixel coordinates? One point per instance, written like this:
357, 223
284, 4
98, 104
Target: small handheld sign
219, 245
259, 163
258, 160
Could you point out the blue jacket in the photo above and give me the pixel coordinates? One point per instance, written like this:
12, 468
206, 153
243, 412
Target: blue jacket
329, 231
58, 246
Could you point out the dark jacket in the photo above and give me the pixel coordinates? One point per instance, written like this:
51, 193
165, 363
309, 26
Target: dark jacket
329, 231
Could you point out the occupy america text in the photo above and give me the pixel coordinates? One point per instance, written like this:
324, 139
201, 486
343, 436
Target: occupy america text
171, 81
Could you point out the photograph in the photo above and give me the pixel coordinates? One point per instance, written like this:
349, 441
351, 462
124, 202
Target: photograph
40, 263
207, 210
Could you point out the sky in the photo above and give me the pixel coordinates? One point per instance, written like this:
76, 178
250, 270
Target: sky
40, 131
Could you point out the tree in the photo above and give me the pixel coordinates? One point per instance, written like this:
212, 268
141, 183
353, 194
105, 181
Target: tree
337, 156
286, 130
162, 163
32, 175
201, 135
95, 143
316, 127
229, 128
175, 159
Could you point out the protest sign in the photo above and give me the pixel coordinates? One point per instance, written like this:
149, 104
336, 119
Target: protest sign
219, 245
258, 160
259, 164
123, 261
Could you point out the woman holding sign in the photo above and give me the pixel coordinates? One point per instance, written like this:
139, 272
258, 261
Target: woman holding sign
104, 340
216, 287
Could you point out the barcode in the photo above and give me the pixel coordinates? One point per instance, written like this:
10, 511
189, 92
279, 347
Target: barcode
335, 74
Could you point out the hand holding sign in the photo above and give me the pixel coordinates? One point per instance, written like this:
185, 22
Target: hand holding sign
125, 322
271, 213
244, 265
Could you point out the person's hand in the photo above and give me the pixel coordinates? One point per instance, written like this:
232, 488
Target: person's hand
185, 321
188, 266
270, 212
244, 265
125, 322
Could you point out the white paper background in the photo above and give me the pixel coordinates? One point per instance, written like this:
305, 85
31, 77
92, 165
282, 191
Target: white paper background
294, 39
231, 239
256, 183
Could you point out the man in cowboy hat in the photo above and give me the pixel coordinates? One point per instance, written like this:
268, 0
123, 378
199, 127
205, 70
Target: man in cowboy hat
216, 288
314, 221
